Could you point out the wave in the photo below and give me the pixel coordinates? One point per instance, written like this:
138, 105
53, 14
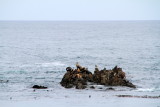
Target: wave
148, 89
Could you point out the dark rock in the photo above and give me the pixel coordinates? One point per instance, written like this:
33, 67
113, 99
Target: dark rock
39, 87
77, 78
135, 96
100, 88
79, 85
110, 89
80, 76
92, 87
114, 77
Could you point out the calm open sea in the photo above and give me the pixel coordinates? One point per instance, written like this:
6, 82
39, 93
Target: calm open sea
38, 53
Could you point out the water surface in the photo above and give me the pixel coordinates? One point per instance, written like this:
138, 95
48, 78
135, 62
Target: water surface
38, 53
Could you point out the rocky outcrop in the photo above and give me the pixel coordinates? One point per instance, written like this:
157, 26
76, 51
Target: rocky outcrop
77, 78
80, 76
114, 77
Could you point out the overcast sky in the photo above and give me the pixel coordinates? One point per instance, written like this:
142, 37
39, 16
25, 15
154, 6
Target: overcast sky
79, 9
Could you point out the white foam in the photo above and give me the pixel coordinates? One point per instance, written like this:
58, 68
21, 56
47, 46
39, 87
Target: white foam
148, 89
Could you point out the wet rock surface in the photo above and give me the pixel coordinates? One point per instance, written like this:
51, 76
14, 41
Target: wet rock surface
135, 96
39, 87
81, 76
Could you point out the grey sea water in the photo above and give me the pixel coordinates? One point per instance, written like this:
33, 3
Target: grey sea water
38, 53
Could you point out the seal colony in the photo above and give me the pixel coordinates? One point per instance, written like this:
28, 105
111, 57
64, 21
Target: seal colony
81, 76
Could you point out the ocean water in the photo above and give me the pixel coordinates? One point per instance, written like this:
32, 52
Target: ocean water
37, 52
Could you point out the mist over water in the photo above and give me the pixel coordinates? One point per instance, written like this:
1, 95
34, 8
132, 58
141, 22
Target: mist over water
38, 53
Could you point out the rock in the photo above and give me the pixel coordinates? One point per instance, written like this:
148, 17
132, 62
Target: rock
79, 85
100, 88
114, 77
110, 88
77, 78
39, 87
80, 76
135, 96
92, 87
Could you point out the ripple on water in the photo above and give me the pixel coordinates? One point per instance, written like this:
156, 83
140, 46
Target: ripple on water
33, 58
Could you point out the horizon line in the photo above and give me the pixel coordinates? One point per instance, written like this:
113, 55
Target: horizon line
78, 20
